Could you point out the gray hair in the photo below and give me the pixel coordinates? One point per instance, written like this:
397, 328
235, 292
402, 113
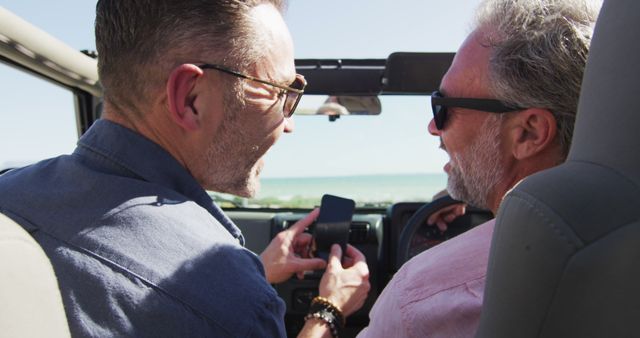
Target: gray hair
140, 41
539, 54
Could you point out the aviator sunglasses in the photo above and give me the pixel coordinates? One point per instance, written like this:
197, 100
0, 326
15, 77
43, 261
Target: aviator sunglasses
440, 105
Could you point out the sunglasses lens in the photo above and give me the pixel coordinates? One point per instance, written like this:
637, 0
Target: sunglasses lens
292, 98
439, 115
290, 103
298, 83
439, 111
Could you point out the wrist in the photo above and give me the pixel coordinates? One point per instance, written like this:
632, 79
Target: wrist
315, 328
323, 302
324, 310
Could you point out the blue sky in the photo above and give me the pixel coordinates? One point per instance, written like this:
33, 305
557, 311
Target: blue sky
397, 141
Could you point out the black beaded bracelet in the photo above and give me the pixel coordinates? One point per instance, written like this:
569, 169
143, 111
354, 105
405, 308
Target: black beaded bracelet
322, 309
325, 303
328, 318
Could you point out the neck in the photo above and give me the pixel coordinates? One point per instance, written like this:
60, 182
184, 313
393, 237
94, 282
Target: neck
519, 171
148, 126
501, 190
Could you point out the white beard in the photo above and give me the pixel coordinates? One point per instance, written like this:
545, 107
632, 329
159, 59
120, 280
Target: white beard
474, 174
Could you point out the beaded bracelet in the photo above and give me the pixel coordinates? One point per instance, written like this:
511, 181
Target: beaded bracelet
328, 318
330, 306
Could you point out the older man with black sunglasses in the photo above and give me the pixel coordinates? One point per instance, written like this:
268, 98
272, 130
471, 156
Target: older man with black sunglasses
505, 110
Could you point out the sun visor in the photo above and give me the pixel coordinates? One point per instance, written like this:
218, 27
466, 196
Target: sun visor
401, 73
342, 76
415, 73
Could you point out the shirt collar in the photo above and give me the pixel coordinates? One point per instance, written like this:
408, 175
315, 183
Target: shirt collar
135, 155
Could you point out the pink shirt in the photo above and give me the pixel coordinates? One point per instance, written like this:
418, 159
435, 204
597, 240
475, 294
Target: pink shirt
438, 293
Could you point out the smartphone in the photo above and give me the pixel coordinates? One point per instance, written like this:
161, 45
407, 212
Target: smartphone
332, 225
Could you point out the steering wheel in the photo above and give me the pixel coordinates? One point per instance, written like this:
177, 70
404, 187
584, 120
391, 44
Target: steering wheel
417, 236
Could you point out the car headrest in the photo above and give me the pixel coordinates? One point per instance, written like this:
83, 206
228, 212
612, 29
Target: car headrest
608, 120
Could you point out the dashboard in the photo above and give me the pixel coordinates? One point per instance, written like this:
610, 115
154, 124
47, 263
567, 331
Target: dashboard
366, 233
375, 232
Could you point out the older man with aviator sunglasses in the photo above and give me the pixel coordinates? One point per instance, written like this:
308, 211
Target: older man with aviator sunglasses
505, 110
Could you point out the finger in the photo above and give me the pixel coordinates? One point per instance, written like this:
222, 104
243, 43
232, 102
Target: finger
301, 244
302, 224
455, 212
307, 264
362, 267
355, 254
335, 256
433, 219
439, 214
303, 239
442, 226
347, 262
359, 261
450, 217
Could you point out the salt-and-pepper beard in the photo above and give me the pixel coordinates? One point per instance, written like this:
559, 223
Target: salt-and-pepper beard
231, 162
475, 172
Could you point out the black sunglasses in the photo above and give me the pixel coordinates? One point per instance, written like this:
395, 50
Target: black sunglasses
292, 93
439, 105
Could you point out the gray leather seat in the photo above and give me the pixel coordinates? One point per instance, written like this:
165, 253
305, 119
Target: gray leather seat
30, 302
565, 256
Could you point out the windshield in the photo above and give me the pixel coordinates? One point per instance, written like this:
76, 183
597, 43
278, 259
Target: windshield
374, 159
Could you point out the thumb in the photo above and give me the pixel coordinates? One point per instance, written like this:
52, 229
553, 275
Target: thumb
335, 256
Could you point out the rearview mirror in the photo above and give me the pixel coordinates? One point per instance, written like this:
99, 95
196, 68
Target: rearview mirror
350, 105
335, 106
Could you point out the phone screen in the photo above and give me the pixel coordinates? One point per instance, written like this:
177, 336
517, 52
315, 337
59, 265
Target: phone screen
332, 225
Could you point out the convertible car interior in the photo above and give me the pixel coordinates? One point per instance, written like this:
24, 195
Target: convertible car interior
386, 236
536, 284
354, 84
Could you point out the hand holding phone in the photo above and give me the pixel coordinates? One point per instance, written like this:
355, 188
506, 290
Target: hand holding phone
332, 225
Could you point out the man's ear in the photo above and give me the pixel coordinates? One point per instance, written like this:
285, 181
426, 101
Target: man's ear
534, 131
180, 96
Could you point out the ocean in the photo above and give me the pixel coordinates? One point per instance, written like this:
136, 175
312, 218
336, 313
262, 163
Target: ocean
366, 190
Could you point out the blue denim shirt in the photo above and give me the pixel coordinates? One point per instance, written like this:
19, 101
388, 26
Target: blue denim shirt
138, 247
